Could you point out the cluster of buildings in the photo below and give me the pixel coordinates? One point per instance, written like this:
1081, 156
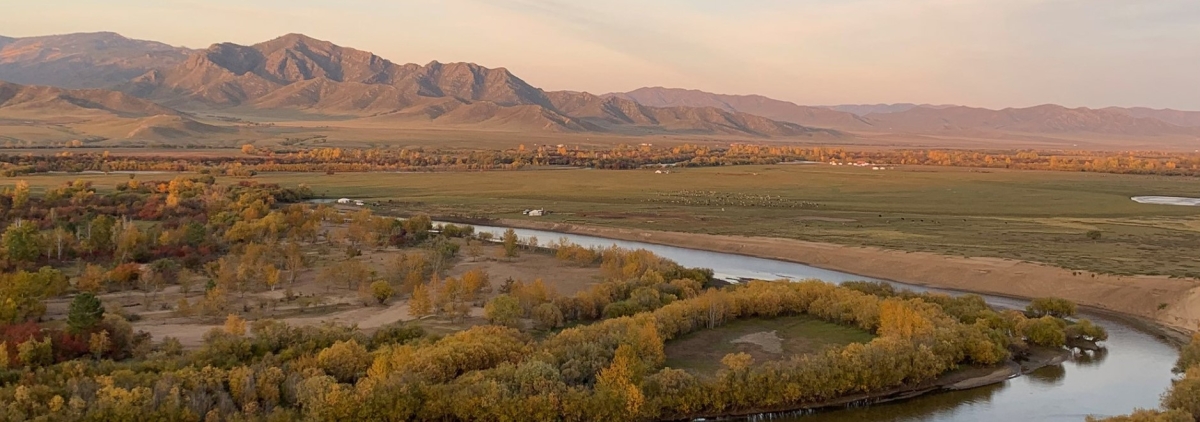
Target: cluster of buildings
535, 213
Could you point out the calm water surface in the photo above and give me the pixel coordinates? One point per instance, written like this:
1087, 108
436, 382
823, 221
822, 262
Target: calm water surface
1132, 373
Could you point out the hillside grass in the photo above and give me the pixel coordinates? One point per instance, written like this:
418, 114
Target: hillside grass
1025, 215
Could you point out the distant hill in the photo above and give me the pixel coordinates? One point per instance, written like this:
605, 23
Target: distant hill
1045, 119
96, 113
91, 60
1175, 117
934, 119
865, 109
307, 75
752, 104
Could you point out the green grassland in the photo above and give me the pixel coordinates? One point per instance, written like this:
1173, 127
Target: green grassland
701, 352
1026, 215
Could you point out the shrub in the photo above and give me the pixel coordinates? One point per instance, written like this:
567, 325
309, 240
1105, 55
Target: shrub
382, 291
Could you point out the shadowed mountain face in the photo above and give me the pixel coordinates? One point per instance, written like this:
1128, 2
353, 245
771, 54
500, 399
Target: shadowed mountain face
95, 60
299, 73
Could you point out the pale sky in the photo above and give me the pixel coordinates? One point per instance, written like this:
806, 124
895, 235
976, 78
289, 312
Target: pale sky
989, 53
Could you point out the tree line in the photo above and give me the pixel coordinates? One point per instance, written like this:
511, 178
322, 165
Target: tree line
332, 160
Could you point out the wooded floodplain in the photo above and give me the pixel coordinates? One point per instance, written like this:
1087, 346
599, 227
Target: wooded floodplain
596, 354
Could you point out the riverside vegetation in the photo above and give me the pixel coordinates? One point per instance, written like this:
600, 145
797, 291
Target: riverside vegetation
597, 354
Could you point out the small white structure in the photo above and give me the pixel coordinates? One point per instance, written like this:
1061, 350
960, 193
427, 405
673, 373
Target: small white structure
360, 203
537, 213
344, 201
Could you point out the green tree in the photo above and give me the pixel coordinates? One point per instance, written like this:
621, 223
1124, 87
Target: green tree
85, 312
504, 310
98, 236
22, 242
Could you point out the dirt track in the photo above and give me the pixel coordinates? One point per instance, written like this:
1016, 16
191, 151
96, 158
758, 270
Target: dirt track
1173, 303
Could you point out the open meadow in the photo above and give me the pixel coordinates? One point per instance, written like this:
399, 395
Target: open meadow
1082, 221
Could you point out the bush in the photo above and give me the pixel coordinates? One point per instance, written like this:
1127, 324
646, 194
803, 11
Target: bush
1046, 331
1052, 306
547, 316
382, 291
35, 354
345, 360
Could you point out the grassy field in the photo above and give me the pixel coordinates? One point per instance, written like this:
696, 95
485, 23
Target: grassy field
764, 339
1024, 215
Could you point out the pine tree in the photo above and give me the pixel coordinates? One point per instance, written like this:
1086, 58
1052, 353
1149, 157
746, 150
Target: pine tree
85, 312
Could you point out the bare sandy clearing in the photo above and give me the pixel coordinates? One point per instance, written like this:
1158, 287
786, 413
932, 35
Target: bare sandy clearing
769, 341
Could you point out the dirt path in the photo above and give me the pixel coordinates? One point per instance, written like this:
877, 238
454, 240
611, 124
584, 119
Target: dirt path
1174, 303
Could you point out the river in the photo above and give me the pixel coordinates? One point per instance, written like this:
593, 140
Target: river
1132, 373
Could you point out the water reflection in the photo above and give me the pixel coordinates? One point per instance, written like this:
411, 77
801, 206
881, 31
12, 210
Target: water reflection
1090, 357
1050, 375
924, 408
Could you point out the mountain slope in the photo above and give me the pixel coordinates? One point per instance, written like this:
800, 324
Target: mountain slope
752, 104
299, 73
97, 113
613, 112
91, 60
1048, 119
1175, 117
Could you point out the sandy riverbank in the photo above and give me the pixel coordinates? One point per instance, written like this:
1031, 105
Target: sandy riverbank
1172, 303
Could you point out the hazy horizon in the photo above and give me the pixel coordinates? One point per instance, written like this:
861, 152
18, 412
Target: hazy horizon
980, 53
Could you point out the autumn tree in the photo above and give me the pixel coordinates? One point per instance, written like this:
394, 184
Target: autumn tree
547, 316
382, 291
420, 304
294, 261
345, 360
511, 243
20, 194
129, 240
99, 343
36, 354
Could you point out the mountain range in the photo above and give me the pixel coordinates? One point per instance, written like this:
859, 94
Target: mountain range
296, 77
937, 119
